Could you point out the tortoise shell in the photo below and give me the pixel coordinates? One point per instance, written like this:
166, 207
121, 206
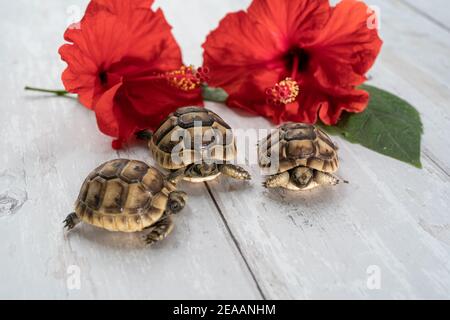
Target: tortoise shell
123, 195
299, 144
192, 134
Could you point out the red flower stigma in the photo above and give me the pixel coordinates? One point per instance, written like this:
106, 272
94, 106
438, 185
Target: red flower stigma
284, 92
187, 78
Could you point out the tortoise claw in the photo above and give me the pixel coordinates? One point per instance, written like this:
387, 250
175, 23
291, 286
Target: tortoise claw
71, 221
159, 231
68, 224
246, 176
152, 240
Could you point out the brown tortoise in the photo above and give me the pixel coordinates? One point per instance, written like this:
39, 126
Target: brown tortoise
128, 196
196, 145
303, 155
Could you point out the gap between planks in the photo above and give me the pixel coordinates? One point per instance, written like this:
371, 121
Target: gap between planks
425, 153
434, 161
236, 243
424, 15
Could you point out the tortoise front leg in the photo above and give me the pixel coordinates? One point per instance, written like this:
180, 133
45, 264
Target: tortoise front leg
277, 180
159, 230
71, 221
324, 178
235, 172
176, 176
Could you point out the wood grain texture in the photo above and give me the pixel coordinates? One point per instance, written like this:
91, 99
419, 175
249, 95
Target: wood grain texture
234, 240
390, 215
48, 146
435, 11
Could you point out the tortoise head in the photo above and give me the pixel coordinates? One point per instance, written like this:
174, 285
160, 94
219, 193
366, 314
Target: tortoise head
302, 176
177, 201
201, 170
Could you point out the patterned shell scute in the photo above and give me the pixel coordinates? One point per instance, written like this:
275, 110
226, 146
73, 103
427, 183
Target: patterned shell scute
299, 144
122, 187
199, 131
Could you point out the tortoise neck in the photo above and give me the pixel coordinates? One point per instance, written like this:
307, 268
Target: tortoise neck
197, 170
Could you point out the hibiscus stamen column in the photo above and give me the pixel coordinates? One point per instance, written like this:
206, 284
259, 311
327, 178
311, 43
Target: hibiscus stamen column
186, 78
295, 65
285, 91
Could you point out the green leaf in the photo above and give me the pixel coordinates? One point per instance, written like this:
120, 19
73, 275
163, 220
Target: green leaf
389, 125
214, 94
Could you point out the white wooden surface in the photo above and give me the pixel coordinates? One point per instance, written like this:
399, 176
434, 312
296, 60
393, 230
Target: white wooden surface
233, 240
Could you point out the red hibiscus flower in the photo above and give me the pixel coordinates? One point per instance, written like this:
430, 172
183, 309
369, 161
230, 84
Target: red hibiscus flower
121, 59
294, 60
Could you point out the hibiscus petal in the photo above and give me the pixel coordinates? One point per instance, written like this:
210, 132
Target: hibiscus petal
104, 112
292, 21
251, 97
346, 100
142, 23
346, 47
154, 100
105, 37
129, 107
245, 42
117, 116
137, 105
305, 109
117, 6
236, 49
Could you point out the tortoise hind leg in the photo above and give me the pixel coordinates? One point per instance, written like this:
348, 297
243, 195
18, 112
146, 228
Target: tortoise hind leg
324, 178
235, 172
159, 230
71, 221
277, 180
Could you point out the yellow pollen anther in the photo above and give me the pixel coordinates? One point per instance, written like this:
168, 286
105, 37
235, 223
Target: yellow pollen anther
284, 92
186, 78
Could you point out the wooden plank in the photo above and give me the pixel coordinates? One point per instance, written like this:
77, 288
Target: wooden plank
317, 244
320, 244
48, 146
435, 11
423, 77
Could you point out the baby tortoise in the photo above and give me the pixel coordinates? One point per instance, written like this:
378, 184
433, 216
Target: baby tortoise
307, 157
195, 144
128, 196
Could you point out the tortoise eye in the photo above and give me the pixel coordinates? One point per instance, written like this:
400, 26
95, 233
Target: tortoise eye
174, 206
